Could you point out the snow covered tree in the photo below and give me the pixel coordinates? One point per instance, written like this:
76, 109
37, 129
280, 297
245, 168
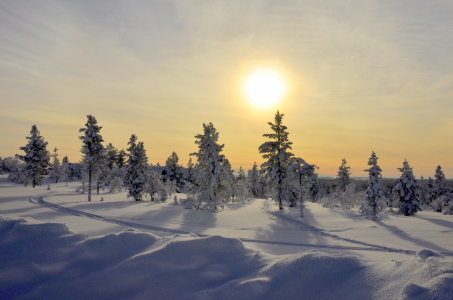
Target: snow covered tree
121, 158
155, 188
54, 174
64, 170
173, 176
373, 191
36, 158
277, 156
440, 181
92, 149
173, 167
240, 185
406, 191
189, 174
301, 177
111, 156
343, 175
313, 188
136, 169
439, 177
116, 186
253, 181
210, 167
228, 180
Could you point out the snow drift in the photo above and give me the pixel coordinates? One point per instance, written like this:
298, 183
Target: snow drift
48, 261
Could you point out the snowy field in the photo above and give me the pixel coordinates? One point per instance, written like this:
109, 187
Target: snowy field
56, 245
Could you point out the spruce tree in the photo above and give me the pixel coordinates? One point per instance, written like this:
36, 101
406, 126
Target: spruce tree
121, 158
64, 169
136, 173
277, 156
92, 149
36, 158
228, 181
440, 181
111, 156
210, 167
189, 174
55, 174
302, 175
173, 171
240, 185
189, 178
374, 187
406, 191
343, 175
253, 181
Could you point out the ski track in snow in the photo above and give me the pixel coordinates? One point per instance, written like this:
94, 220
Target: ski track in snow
304, 227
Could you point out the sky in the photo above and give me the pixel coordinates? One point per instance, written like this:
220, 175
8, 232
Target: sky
360, 76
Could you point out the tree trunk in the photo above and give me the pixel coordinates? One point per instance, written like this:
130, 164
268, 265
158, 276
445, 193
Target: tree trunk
301, 198
89, 183
301, 209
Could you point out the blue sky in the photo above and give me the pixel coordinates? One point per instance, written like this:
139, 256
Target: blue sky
362, 76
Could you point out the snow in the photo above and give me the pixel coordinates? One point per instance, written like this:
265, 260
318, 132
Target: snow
56, 245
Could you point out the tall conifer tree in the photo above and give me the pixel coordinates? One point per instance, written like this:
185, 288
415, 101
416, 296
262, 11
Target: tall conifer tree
136, 176
92, 149
210, 166
36, 158
406, 191
374, 187
277, 156
343, 175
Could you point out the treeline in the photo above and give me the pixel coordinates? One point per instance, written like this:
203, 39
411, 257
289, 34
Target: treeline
209, 180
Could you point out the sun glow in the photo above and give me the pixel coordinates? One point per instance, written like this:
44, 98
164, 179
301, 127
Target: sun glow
264, 88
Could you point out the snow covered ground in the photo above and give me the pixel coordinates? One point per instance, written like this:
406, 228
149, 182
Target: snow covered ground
56, 245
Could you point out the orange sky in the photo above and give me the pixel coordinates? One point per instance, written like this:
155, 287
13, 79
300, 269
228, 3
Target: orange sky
361, 77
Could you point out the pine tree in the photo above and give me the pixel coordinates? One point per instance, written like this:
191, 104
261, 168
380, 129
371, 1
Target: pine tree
302, 175
136, 169
121, 158
172, 165
210, 167
189, 174
432, 190
277, 155
189, 178
228, 181
64, 169
343, 175
253, 181
111, 156
92, 149
406, 191
55, 173
240, 185
173, 169
440, 181
36, 158
313, 188
374, 187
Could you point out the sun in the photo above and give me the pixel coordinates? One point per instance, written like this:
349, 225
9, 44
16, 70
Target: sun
264, 88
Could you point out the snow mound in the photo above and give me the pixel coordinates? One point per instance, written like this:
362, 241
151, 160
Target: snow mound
425, 253
440, 287
48, 261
